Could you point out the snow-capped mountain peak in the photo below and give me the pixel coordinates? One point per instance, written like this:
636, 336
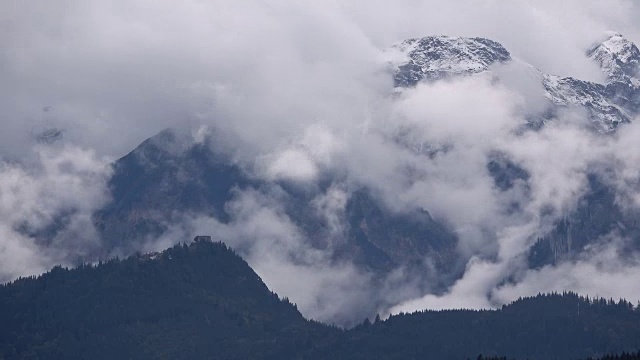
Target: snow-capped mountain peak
435, 57
619, 58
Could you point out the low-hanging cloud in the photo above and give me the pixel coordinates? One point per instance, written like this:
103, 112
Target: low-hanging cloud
559, 159
64, 184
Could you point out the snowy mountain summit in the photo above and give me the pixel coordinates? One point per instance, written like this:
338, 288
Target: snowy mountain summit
619, 58
435, 58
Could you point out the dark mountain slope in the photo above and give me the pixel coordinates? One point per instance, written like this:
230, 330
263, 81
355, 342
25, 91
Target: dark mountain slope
597, 215
544, 327
159, 181
196, 301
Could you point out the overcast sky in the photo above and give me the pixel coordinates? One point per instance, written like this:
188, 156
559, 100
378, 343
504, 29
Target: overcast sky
295, 88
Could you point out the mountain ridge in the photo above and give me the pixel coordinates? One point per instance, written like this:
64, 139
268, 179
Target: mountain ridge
434, 58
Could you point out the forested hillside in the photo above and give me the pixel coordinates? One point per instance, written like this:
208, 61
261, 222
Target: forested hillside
202, 301
554, 326
197, 301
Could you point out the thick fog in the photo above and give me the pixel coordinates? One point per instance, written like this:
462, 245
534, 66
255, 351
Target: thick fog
293, 90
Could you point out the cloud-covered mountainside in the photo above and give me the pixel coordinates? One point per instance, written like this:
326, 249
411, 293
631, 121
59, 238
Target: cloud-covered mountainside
345, 225
355, 176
